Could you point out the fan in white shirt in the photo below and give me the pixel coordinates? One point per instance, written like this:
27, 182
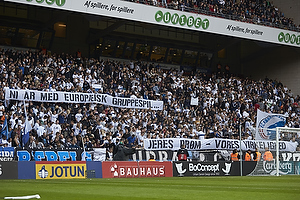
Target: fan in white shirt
78, 116
56, 128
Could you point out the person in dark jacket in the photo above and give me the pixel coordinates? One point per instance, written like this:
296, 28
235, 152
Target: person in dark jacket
122, 152
182, 153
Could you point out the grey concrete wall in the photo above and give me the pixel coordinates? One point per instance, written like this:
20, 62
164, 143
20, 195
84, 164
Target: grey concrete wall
281, 63
290, 8
76, 36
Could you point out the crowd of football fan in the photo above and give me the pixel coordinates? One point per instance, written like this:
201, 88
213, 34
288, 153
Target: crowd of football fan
224, 102
251, 11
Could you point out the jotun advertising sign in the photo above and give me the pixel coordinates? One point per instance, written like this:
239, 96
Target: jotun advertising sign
60, 170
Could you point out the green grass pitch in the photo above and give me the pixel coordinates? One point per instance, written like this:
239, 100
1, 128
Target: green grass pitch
263, 187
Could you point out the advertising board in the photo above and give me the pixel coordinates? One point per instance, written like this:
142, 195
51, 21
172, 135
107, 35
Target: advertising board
131, 169
8, 170
51, 155
6, 154
212, 168
172, 18
60, 170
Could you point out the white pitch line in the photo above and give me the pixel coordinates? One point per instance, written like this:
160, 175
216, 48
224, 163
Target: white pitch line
36, 196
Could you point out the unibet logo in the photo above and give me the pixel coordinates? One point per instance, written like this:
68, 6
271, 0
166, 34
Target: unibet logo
281, 37
293, 39
50, 2
181, 20
288, 38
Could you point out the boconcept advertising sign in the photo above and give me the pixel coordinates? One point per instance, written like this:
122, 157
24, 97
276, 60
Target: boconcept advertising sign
211, 168
172, 18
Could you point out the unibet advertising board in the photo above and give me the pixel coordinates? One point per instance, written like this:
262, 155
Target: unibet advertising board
172, 18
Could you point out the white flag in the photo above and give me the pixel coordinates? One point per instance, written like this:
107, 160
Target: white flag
266, 124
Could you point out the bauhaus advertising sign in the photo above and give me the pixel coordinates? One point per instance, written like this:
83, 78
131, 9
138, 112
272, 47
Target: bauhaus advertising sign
111, 169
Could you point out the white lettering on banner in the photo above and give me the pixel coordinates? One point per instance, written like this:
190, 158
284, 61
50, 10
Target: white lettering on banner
215, 143
244, 30
7, 154
290, 156
227, 144
203, 168
5, 159
141, 171
107, 7
191, 144
70, 97
159, 144
284, 167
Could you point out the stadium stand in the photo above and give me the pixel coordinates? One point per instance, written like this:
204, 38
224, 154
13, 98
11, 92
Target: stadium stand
225, 101
250, 11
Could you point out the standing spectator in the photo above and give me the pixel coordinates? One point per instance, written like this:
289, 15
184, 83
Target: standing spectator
16, 141
131, 140
182, 153
248, 155
123, 152
257, 155
2, 109
151, 158
235, 155
56, 128
78, 116
164, 3
268, 156
40, 129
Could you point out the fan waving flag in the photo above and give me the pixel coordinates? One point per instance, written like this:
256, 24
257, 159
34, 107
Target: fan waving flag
27, 129
266, 124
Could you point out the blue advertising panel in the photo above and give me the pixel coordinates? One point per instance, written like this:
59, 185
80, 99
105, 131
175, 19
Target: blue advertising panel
94, 167
26, 170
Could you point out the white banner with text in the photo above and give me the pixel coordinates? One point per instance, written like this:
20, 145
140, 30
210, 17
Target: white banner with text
76, 97
216, 144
